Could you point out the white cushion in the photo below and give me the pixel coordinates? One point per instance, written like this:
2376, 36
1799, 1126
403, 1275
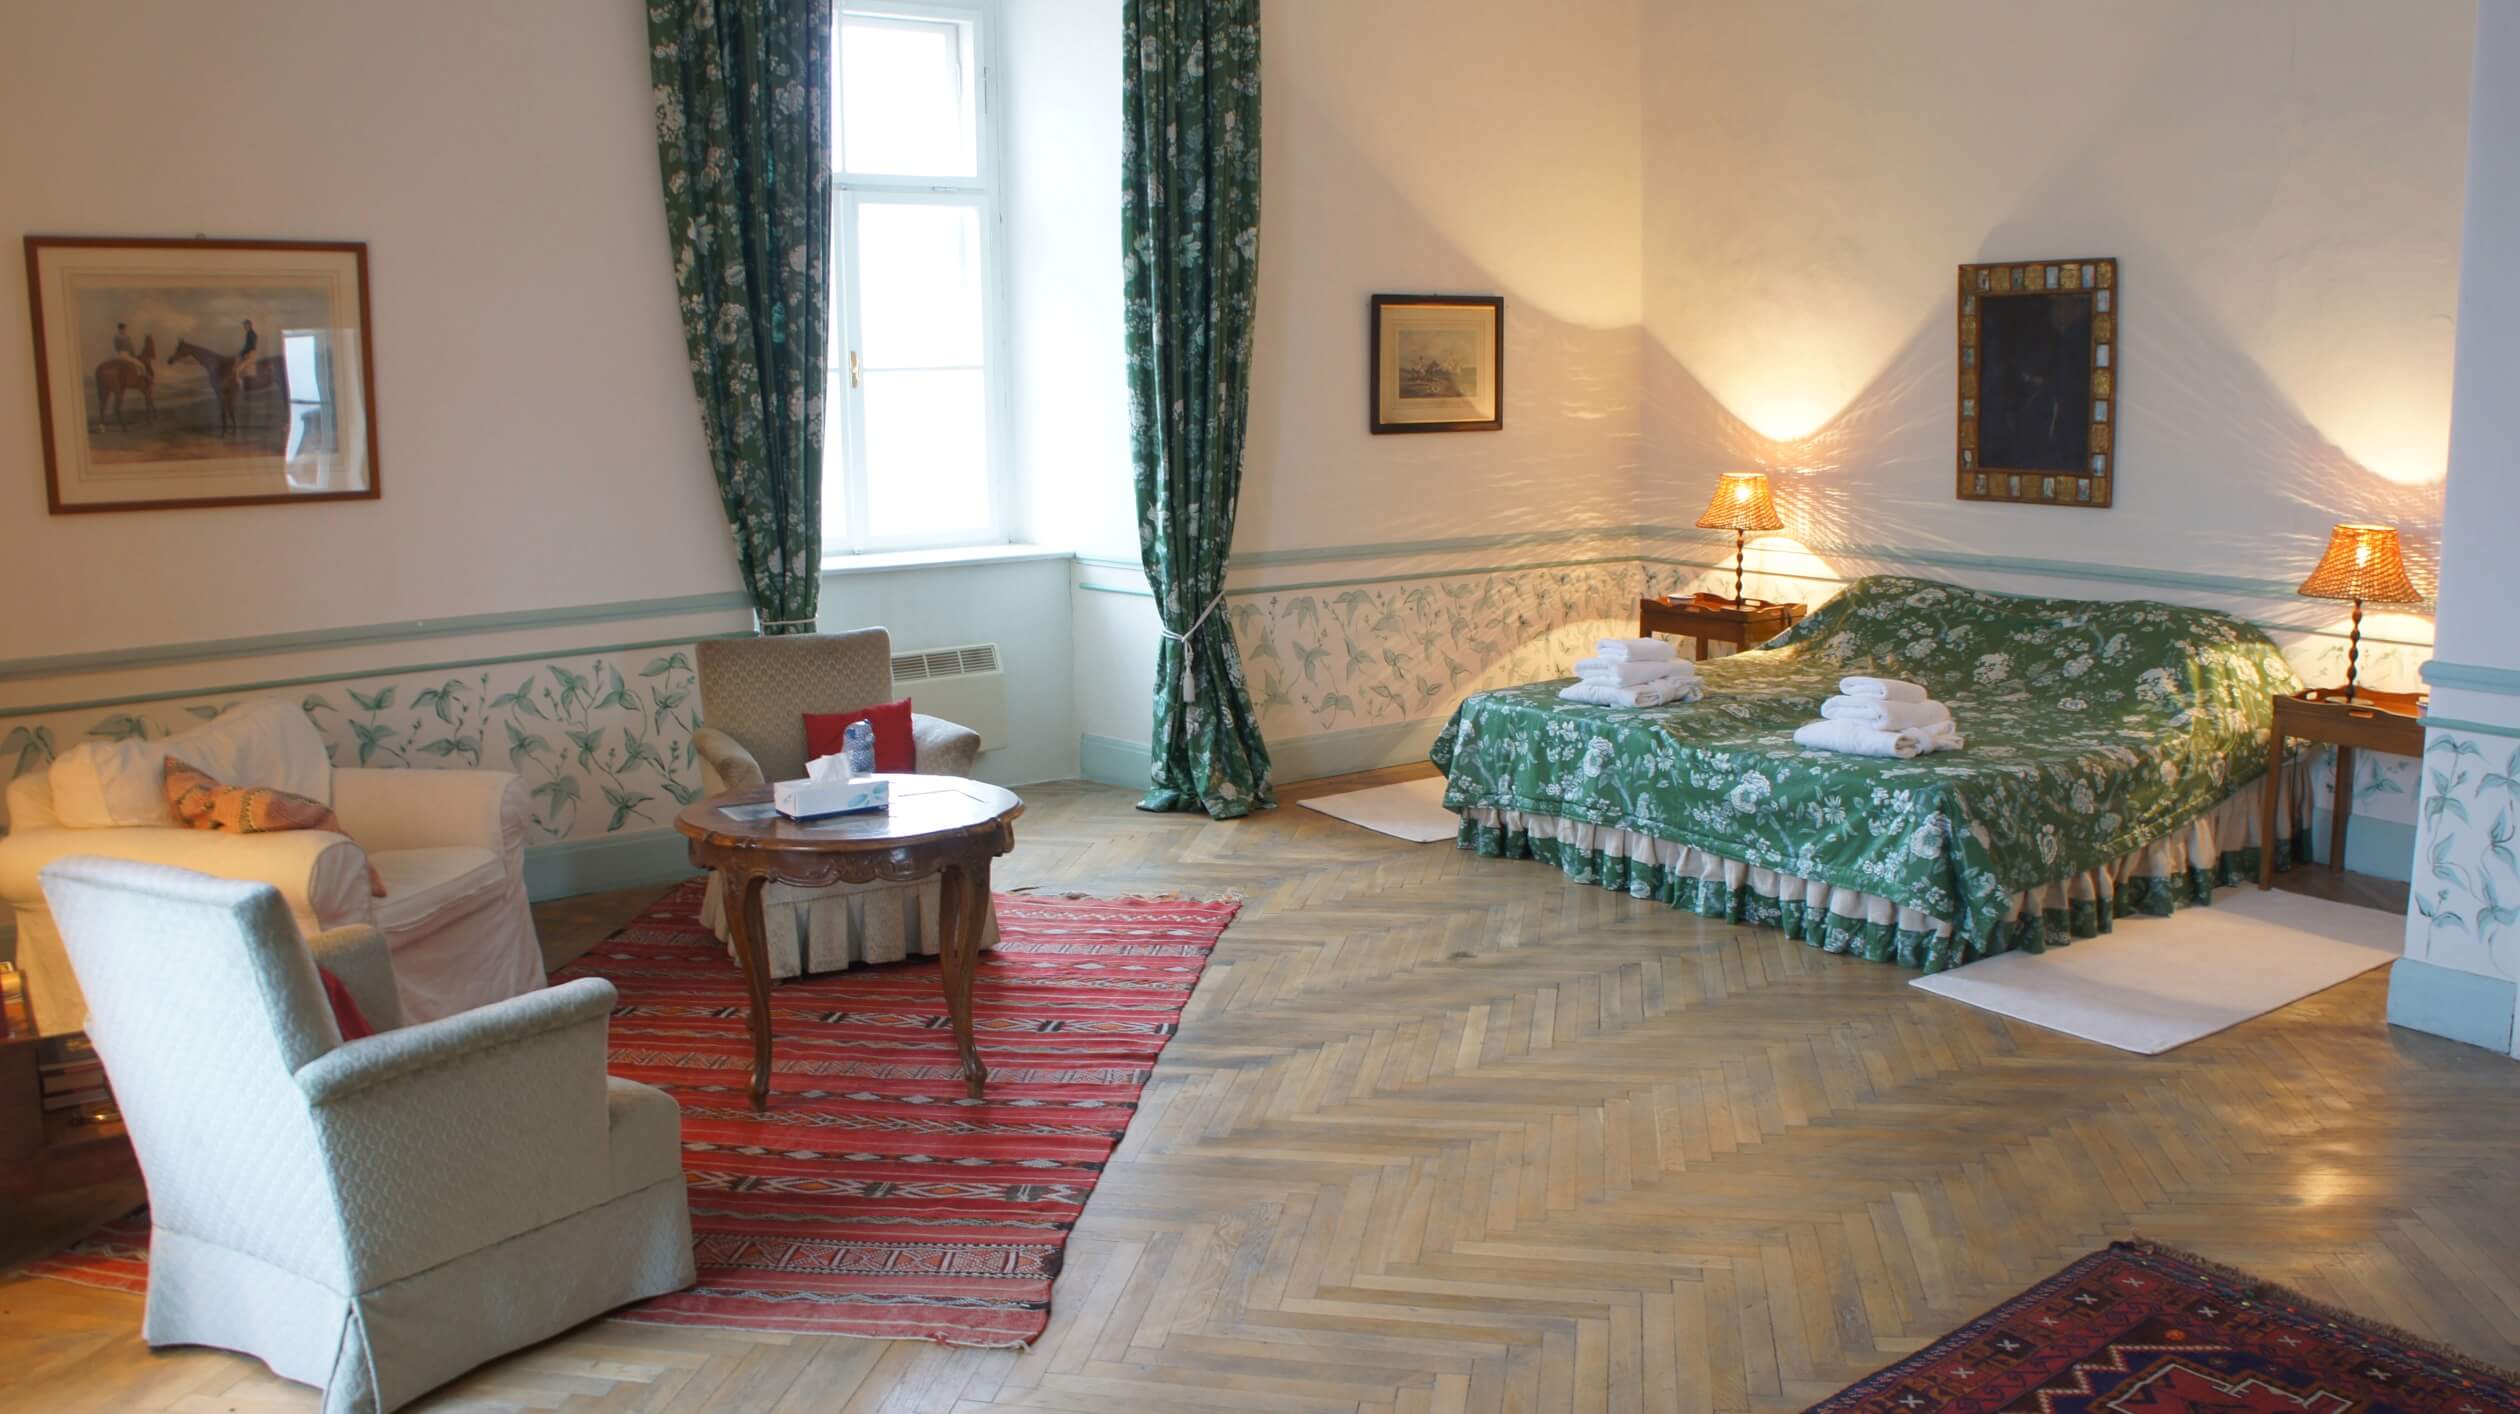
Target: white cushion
106, 784
424, 887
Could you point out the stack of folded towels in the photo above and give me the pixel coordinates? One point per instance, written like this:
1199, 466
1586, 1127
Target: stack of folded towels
1633, 672
1880, 717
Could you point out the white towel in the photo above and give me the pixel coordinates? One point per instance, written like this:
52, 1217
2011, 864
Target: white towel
1624, 674
1856, 739
1636, 650
1892, 689
1885, 713
1658, 693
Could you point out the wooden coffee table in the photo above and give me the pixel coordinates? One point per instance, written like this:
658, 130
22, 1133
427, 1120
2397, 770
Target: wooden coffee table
942, 825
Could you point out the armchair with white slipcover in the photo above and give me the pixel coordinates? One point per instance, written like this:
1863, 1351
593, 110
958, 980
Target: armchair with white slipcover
373, 1216
450, 846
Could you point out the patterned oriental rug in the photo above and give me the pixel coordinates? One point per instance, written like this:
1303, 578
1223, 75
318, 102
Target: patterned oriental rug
2140, 1329
874, 1199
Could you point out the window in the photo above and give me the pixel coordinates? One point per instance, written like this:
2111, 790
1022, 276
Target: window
912, 448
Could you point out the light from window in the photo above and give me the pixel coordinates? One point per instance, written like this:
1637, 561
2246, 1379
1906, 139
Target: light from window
908, 453
906, 99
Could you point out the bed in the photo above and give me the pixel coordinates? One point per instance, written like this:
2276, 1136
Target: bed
2115, 755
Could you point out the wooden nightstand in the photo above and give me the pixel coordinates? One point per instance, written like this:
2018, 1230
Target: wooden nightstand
2377, 721
1713, 619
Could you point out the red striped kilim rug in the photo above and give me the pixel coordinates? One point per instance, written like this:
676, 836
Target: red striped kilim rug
874, 1199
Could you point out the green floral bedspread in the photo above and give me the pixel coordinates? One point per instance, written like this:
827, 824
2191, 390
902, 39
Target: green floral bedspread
2093, 728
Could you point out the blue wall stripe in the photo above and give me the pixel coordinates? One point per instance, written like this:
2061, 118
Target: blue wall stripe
459, 625
2472, 677
2464, 1006
354, 674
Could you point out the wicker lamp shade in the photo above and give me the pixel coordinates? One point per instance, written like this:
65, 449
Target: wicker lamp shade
2363, 562
1741, 503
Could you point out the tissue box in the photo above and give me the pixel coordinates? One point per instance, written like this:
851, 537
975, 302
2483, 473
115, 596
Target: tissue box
812, 800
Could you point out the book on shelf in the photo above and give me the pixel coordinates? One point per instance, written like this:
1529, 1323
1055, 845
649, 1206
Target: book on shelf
96, 1098
16, 1017
69, 1079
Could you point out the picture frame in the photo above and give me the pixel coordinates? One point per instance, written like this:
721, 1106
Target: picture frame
2039, 382
183, 373
1436, 363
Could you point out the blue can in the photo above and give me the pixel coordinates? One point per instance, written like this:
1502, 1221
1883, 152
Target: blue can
858, 742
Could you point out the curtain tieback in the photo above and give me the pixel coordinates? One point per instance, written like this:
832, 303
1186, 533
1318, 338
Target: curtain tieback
787, 623
1189, 654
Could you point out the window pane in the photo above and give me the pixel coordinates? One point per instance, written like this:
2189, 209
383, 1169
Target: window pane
906, 97
918, 285
927, 461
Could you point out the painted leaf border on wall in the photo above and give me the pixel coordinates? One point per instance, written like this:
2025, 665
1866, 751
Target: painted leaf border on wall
603, 740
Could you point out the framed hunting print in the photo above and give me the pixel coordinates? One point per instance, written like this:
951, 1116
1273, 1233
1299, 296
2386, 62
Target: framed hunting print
176, 373
1438, 363
2039, 382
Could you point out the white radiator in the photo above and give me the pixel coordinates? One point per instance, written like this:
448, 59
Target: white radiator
962, 684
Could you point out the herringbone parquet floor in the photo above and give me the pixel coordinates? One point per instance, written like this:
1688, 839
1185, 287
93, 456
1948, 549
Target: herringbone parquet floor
1445, 1133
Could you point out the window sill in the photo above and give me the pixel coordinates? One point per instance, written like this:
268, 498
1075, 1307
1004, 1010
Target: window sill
892, 560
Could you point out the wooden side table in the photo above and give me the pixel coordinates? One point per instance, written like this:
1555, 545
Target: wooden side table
50, 1152
1751, 622
2377, 721
942, 825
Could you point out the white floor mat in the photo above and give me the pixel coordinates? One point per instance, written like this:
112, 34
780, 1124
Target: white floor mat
1412, 810
2156, 983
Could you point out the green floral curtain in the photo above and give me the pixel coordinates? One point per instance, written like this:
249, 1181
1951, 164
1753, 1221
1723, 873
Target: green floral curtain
1190, 225
743, 134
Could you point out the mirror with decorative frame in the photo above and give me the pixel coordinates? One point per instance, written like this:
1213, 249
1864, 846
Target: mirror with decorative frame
2038, 382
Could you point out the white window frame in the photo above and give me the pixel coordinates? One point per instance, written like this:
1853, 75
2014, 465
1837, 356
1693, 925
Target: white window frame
844, 457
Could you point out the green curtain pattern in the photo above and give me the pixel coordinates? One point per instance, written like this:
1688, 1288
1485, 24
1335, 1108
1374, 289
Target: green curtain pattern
743, 137
1190, 228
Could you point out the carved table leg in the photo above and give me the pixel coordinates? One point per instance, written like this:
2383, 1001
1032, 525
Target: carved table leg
743, 919
963, 897
2344, 808
2267, 809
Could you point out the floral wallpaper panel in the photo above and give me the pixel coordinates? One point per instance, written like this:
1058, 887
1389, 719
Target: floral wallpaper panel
2466, 900
603, 740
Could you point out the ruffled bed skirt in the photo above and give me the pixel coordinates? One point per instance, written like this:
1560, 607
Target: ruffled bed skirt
2218, 848
843, 926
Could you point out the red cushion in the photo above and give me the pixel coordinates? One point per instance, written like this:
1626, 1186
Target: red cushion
345, 1008
895, 750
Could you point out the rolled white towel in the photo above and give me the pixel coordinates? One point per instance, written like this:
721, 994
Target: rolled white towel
1891, 689
1623, 674
1636, 650
1659, 693
1885, 713
1856, 739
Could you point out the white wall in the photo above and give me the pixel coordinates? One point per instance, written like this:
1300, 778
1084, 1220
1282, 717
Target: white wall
2281, 182
1410, 146
1062, 203
2461, 965
1414, 146
536, 428
2479, 579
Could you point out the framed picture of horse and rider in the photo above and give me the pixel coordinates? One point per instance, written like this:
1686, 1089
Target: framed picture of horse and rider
177, 373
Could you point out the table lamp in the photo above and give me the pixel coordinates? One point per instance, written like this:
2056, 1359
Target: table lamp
1741, 505
2362, 563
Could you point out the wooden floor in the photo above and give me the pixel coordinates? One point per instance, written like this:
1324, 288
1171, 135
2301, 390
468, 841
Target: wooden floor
1447, 1133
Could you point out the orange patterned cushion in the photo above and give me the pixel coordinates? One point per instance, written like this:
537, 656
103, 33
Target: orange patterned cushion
206, 804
